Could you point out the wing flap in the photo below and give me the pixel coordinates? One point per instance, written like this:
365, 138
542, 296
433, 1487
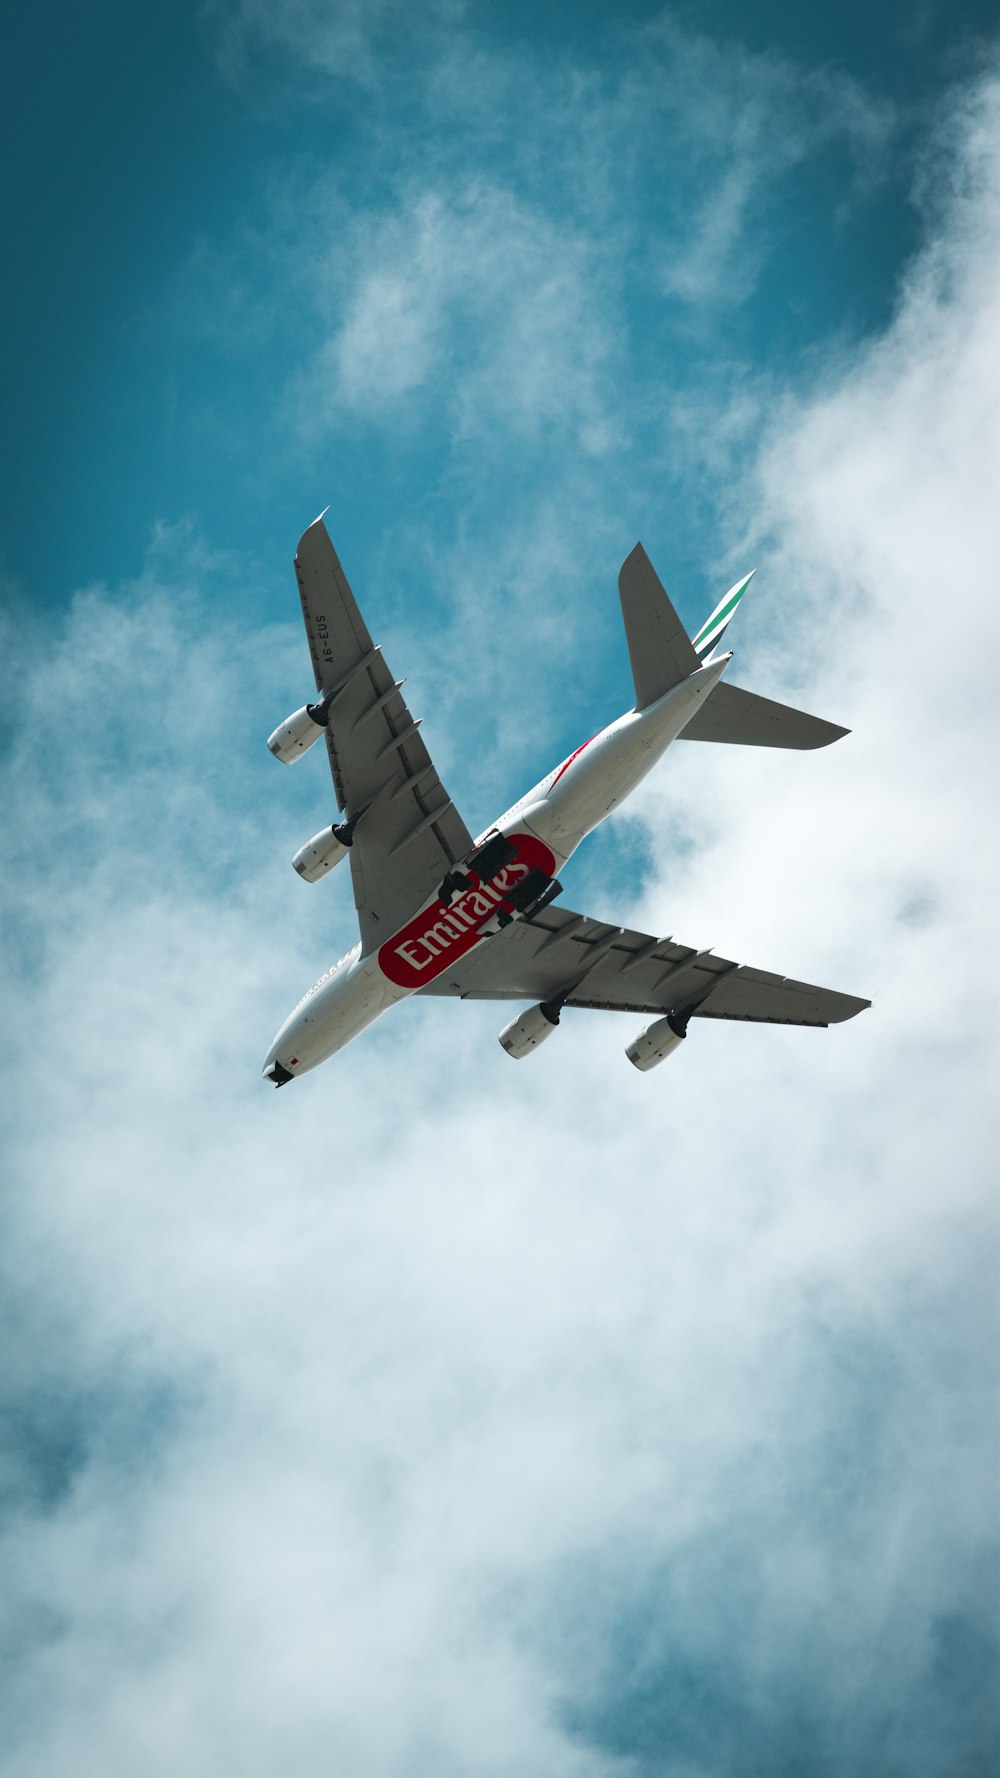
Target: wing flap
754, 995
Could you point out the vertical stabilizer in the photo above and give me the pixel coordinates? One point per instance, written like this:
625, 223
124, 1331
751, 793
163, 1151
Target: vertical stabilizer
658, 644
711, 634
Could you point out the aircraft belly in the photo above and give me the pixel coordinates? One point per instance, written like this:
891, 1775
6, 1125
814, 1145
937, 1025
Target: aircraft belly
442, 932
604, 772
362, 999
335, 1011
597, 781
544, 821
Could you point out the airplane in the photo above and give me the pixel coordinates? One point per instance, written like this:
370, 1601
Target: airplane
442, 913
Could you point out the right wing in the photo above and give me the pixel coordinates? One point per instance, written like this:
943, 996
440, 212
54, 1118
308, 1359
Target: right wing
611, 968
411, 834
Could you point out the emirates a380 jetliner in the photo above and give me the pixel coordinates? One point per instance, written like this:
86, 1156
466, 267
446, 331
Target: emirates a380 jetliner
444, 913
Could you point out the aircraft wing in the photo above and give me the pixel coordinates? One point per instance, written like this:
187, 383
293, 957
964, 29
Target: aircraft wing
411, 833
611, 968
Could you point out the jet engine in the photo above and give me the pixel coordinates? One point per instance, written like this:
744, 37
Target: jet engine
320, 854
531, 1028
656, 1042
297, 734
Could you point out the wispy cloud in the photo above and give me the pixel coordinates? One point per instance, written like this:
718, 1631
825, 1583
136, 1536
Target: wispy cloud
500, 229
484, 306
512, 216
343, 40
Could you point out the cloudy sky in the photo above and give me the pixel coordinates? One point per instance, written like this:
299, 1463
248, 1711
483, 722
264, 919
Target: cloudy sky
447, 1417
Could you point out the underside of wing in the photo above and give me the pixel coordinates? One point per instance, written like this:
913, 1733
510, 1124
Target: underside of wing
409, 833
743, 719
561, 955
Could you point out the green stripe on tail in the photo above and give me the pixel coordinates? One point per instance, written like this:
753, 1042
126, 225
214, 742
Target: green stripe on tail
712, 632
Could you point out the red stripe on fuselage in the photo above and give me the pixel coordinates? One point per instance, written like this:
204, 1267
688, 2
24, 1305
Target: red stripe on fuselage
568, 762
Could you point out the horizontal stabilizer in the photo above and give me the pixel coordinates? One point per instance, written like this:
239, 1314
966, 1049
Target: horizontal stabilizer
743, 719
659, 647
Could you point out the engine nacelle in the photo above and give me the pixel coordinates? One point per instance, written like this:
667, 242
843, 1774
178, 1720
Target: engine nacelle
656, 1042
526, 1032
319, 855
295, 735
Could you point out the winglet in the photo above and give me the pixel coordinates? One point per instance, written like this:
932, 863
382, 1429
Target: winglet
713, 631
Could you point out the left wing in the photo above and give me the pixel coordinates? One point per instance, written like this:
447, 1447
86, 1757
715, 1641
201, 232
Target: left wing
410, 833
584, 962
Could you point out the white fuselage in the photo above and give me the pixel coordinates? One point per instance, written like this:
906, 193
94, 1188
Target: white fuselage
558, 813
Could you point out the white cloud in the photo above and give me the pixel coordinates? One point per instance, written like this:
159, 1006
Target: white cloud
444, 1415
494, 266
744, 123
485, 305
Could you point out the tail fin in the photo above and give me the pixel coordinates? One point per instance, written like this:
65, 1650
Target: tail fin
711, 634
661, 656
658, 645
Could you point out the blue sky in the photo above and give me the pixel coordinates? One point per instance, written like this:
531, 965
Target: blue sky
139, 390
443, 1415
